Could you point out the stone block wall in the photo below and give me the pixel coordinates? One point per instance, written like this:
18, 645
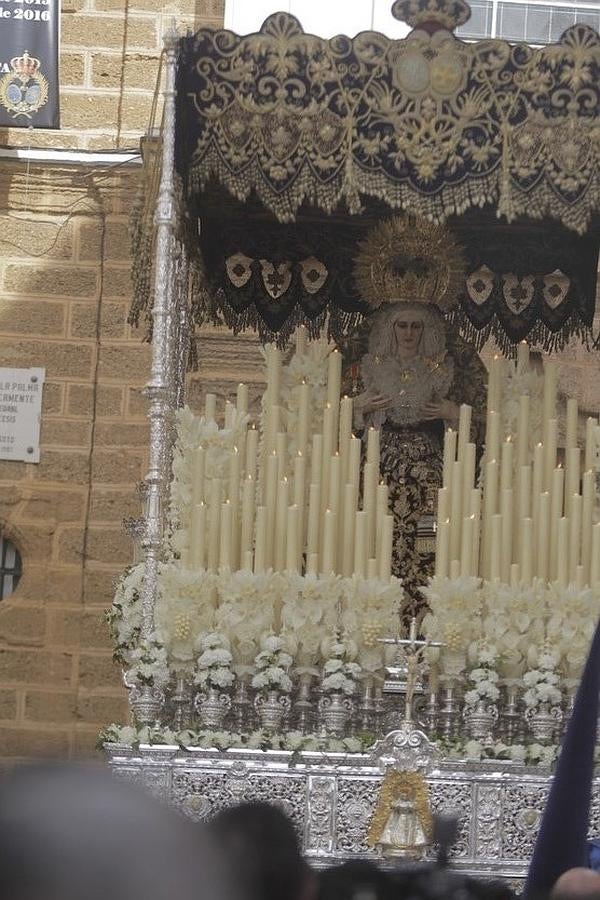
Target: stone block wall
109, 65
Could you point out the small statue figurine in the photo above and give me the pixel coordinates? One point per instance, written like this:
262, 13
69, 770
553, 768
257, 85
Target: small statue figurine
401, 825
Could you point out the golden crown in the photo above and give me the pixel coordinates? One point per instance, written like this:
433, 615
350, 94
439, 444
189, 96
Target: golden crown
25, 65
409, 259
448, 14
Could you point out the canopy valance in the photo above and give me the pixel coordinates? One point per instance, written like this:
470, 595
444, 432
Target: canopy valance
288, 147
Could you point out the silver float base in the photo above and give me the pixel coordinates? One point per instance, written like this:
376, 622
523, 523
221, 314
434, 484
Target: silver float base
331, 798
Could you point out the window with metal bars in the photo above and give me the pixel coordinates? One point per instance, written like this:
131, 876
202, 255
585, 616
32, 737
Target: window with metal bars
10, 567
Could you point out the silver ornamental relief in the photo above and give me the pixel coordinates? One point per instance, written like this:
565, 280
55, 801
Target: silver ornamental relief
544, 722
271, 709
212, 706
488, 833
320, 828
336, 710
480, 720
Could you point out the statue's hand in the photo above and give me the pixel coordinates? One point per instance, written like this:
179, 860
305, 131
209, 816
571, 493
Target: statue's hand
442, 409
368, 403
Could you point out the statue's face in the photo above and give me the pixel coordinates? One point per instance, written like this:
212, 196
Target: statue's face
408, 331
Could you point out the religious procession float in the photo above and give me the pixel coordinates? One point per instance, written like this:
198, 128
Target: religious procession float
369, 596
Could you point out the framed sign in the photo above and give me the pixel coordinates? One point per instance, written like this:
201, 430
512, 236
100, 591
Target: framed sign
29, 90
20, 413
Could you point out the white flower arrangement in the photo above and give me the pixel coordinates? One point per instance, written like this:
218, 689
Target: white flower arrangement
125, 615
184, 610
483, 678
454, 619
542, 683
272, 664
148, 663
340, 673
310, 608
570, 626
214, 662
524, 754
369, 611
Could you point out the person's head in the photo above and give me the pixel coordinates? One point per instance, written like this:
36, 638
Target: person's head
261, 846
357, 880
407, 330
577, 884
68, 832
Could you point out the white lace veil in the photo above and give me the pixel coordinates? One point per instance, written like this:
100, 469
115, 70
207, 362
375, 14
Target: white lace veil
382, 337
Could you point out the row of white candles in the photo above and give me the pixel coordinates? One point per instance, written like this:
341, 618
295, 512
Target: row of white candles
532, 518
322, 512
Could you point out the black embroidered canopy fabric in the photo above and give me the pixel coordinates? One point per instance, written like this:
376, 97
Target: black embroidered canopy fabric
289, 123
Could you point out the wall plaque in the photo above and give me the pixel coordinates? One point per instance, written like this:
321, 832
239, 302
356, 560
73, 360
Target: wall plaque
20, 413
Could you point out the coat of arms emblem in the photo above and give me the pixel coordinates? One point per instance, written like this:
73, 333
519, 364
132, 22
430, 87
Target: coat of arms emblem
24, 90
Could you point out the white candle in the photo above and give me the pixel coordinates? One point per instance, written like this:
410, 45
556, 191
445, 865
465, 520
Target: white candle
293, 521
260, 548
271, 505
514, 575
229, 414
280, 524
333, 502
329, 543
543, 543
248, 500
506, 465
506, 511
303, 417
314, 516
466, 546
456, 516
225, 536
464, 428
572, 423
587, 521
345, 434
360, 544
556, 511
251, 452
247, 561
301, 340
328, 451
373, 447
523, 506
380, 513
387, 543
372, 568
475, 512
370, 475
572, 476
550, 445
550, 381
490, 500
300, 496
522, 357
353, 474
563, 556
590, 443
215, 524
522, 440
198, 473
449, 456
468, 476
580, 578
274, 374
334, 378
492, 438
281, 451
241, 401
312, 565
197, 537
455, 569
537, 486
316, 459
348, 519
595, 565
574, 535
210, 406
526, 547
496, 548
442, 548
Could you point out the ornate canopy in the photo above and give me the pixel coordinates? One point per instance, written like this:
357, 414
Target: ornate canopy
308, 134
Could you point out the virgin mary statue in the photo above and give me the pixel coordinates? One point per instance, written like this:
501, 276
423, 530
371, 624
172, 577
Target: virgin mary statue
411, 372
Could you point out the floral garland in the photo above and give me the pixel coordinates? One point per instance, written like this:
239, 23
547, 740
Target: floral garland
542, 683
293, 741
